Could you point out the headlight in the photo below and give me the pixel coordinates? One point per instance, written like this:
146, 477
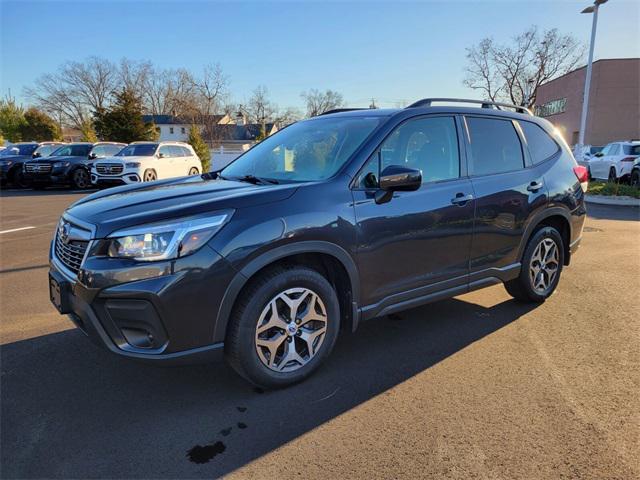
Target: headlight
162, 241
5, 163
60, 164
132, 164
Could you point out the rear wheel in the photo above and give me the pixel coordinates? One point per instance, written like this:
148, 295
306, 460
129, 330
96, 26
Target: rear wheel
541, 267
283, 327
193, 171
612, 175
18, 179
80, 179
635, 178
149, 176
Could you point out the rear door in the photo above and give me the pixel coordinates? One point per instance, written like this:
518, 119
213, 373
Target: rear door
418, 242
508, 190
164, 162
597, 164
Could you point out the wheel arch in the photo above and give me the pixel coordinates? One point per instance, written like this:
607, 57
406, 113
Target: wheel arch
556, 217
327, 258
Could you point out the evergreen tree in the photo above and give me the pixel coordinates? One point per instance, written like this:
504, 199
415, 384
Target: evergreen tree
88, 132
200, 147
122, 122
11, 119
39, 126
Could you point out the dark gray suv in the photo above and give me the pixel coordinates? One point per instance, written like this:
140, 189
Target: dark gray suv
332, 221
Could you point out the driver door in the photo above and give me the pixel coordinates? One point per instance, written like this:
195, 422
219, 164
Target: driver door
418, 242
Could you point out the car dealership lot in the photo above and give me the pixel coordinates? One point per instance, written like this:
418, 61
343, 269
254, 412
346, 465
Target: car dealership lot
477, 386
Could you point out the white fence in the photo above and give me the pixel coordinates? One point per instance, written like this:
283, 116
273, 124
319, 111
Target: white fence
221, 157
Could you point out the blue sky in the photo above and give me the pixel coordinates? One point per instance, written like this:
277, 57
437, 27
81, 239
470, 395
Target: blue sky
388, 50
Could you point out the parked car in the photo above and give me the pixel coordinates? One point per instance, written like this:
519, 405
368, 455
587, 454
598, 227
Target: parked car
329, 222
585, 153
146, 162
635, 174
13, 157
615, 161
68, 165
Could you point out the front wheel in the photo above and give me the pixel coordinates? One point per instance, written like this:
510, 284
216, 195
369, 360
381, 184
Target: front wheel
613, 178
80, 179
541, 267
18, 179
149, 176
283, 327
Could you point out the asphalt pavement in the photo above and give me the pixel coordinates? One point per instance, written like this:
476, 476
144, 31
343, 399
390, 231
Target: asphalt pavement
478, 386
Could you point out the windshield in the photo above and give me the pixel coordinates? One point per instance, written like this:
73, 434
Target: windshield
24, 149
631, 149
139, 150
78, 150
46, 150
305, 151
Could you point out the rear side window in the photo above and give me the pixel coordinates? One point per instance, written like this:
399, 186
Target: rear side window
186, 152
494, 146
541, 145
631, 149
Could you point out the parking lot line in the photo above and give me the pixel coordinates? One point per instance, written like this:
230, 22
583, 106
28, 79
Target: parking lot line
15, 230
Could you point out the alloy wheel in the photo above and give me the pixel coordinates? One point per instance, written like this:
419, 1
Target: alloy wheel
291, 330
149, 176
544, 265
81, 179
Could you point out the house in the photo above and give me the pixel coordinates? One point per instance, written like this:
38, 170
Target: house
174, 128
239, 136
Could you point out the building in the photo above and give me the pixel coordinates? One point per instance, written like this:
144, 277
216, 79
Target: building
614, 102
173, 128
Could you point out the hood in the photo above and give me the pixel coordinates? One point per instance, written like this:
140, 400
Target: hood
115, 158
17, 158
131, 205
59, 159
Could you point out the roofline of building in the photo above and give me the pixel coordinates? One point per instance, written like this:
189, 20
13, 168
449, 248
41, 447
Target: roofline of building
594, 62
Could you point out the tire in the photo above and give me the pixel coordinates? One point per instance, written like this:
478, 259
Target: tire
527, 287
18, 180
80, 179
635, 178
612, 176
193, 171
149, 176
261, 353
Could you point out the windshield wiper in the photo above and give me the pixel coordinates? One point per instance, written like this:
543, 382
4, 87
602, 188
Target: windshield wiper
255, 180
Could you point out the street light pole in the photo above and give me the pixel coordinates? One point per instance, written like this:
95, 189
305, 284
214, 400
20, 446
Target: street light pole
587, 83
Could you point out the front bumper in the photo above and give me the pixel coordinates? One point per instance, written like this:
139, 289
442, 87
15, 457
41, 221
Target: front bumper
163, 313
126, 178
54, 177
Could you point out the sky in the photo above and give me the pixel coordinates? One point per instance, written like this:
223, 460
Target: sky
392, 51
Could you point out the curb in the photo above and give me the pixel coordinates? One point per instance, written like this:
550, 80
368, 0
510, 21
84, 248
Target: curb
619, 201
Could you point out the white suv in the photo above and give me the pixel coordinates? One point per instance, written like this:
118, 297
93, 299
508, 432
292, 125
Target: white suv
146, 162
615, 161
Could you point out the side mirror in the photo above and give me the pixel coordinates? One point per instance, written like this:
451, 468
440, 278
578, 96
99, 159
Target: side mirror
161, 155
599, 154
396, 178
36, 155
92, 156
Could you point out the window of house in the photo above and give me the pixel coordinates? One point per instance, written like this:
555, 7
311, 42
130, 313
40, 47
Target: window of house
183, 130
426, 144
541, 145
494, 146
171, 130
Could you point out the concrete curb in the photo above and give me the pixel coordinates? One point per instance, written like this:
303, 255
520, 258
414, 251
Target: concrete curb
621, 201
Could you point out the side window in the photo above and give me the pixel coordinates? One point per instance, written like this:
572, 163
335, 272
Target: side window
176, 151
165, 151
494, 146
113, 149
99, 151
541, 145
186, 152
615, 150
426, 144
606, 150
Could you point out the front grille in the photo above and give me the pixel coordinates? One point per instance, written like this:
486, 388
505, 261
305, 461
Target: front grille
38, 167
69, 249
109, 168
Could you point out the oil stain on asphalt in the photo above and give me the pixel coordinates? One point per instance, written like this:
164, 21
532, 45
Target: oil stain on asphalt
203, 454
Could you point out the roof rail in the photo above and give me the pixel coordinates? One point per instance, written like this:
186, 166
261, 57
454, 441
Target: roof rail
426, 102
339, 110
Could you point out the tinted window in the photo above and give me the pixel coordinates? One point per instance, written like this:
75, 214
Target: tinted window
427, 144
305, 151
615, 150
24, 149
46, 150
73, 151
541, 145
494, 146
139, 150
631, 149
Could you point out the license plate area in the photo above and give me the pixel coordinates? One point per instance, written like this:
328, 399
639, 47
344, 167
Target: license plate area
60, 293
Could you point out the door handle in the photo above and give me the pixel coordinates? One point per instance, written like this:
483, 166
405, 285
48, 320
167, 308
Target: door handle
460, 199
534, 186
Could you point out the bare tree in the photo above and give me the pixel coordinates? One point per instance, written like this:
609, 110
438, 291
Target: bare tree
134, 76
170, 92
260, 108
514, 72
76, 90
210, 96
319, 102
287, 116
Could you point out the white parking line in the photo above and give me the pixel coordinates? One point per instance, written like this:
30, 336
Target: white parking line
15, 230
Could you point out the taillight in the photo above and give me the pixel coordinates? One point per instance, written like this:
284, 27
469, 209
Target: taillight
583, 176
629, 159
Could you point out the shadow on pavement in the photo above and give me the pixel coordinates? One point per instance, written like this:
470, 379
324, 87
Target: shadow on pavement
16, 192
70, 409
612, 212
